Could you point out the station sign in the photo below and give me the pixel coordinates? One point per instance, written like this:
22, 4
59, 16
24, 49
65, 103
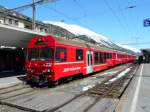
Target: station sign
146, 22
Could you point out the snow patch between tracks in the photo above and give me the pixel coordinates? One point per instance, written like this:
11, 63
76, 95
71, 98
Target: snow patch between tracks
87, 87
119, 75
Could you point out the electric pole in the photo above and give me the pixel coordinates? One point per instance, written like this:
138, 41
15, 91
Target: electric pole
33, 6
33, 14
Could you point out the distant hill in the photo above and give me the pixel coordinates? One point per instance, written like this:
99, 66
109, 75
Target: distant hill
88, 34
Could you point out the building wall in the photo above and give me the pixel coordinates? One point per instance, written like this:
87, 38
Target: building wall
19, 20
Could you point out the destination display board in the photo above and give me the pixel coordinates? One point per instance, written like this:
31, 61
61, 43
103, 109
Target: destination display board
146, 22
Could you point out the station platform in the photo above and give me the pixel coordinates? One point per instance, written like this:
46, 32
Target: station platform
10, 81
136, 98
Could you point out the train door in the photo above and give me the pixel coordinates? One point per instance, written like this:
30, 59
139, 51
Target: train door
89, 57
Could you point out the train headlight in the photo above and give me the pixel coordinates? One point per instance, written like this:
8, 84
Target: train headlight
29, 70
48, 70
47, 65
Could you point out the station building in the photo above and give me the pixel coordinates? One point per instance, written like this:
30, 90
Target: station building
146, 54
12, 55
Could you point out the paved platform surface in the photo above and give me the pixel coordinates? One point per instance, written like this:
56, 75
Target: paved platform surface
10, 81
137, 96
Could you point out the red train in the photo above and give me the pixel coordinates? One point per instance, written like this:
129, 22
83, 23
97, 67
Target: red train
50, 58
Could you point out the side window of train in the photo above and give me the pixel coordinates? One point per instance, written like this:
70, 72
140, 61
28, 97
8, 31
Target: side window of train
61, 54
101, 57
105, 55
79, 54
96, 58
110, 56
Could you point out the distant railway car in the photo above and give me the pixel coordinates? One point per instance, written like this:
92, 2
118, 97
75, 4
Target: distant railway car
49, 58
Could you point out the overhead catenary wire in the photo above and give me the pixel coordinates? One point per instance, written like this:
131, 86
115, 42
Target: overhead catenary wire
131, 6
63, 14
33, 5
40, 2
141, 43
124, 18
26, 6
82, 9
66, 16
115, 15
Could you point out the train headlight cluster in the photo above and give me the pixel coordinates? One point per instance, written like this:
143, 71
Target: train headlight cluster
47, 65
29, 70
47, 71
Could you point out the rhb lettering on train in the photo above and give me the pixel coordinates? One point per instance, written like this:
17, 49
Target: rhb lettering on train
71, 69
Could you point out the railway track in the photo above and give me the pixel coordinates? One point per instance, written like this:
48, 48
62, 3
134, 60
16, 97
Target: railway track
23, 98
114, 89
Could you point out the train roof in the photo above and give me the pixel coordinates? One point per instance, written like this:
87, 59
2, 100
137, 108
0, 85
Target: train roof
82, 43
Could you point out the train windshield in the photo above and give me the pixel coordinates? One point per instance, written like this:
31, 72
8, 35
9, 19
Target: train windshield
45, 54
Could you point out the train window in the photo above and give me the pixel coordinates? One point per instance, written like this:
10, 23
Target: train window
110, 56
101, 57
61, 54
79, 54
96, 58
118, 56
91, 59
105, 57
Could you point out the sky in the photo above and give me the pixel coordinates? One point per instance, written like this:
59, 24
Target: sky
119, 20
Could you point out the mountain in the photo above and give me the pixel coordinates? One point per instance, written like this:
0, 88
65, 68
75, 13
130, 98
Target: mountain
102, 40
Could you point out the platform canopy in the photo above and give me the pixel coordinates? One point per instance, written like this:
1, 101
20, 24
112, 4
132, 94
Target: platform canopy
16, 37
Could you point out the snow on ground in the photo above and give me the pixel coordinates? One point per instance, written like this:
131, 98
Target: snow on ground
78, 30
119, 76
87, 87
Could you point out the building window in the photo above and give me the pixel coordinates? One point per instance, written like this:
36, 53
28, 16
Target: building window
61, 54
46, 31
10, 21
79, 54
41, 29
16, 22
26, 26
5, 20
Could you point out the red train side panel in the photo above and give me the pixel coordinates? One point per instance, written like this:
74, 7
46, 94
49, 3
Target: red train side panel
50, 58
